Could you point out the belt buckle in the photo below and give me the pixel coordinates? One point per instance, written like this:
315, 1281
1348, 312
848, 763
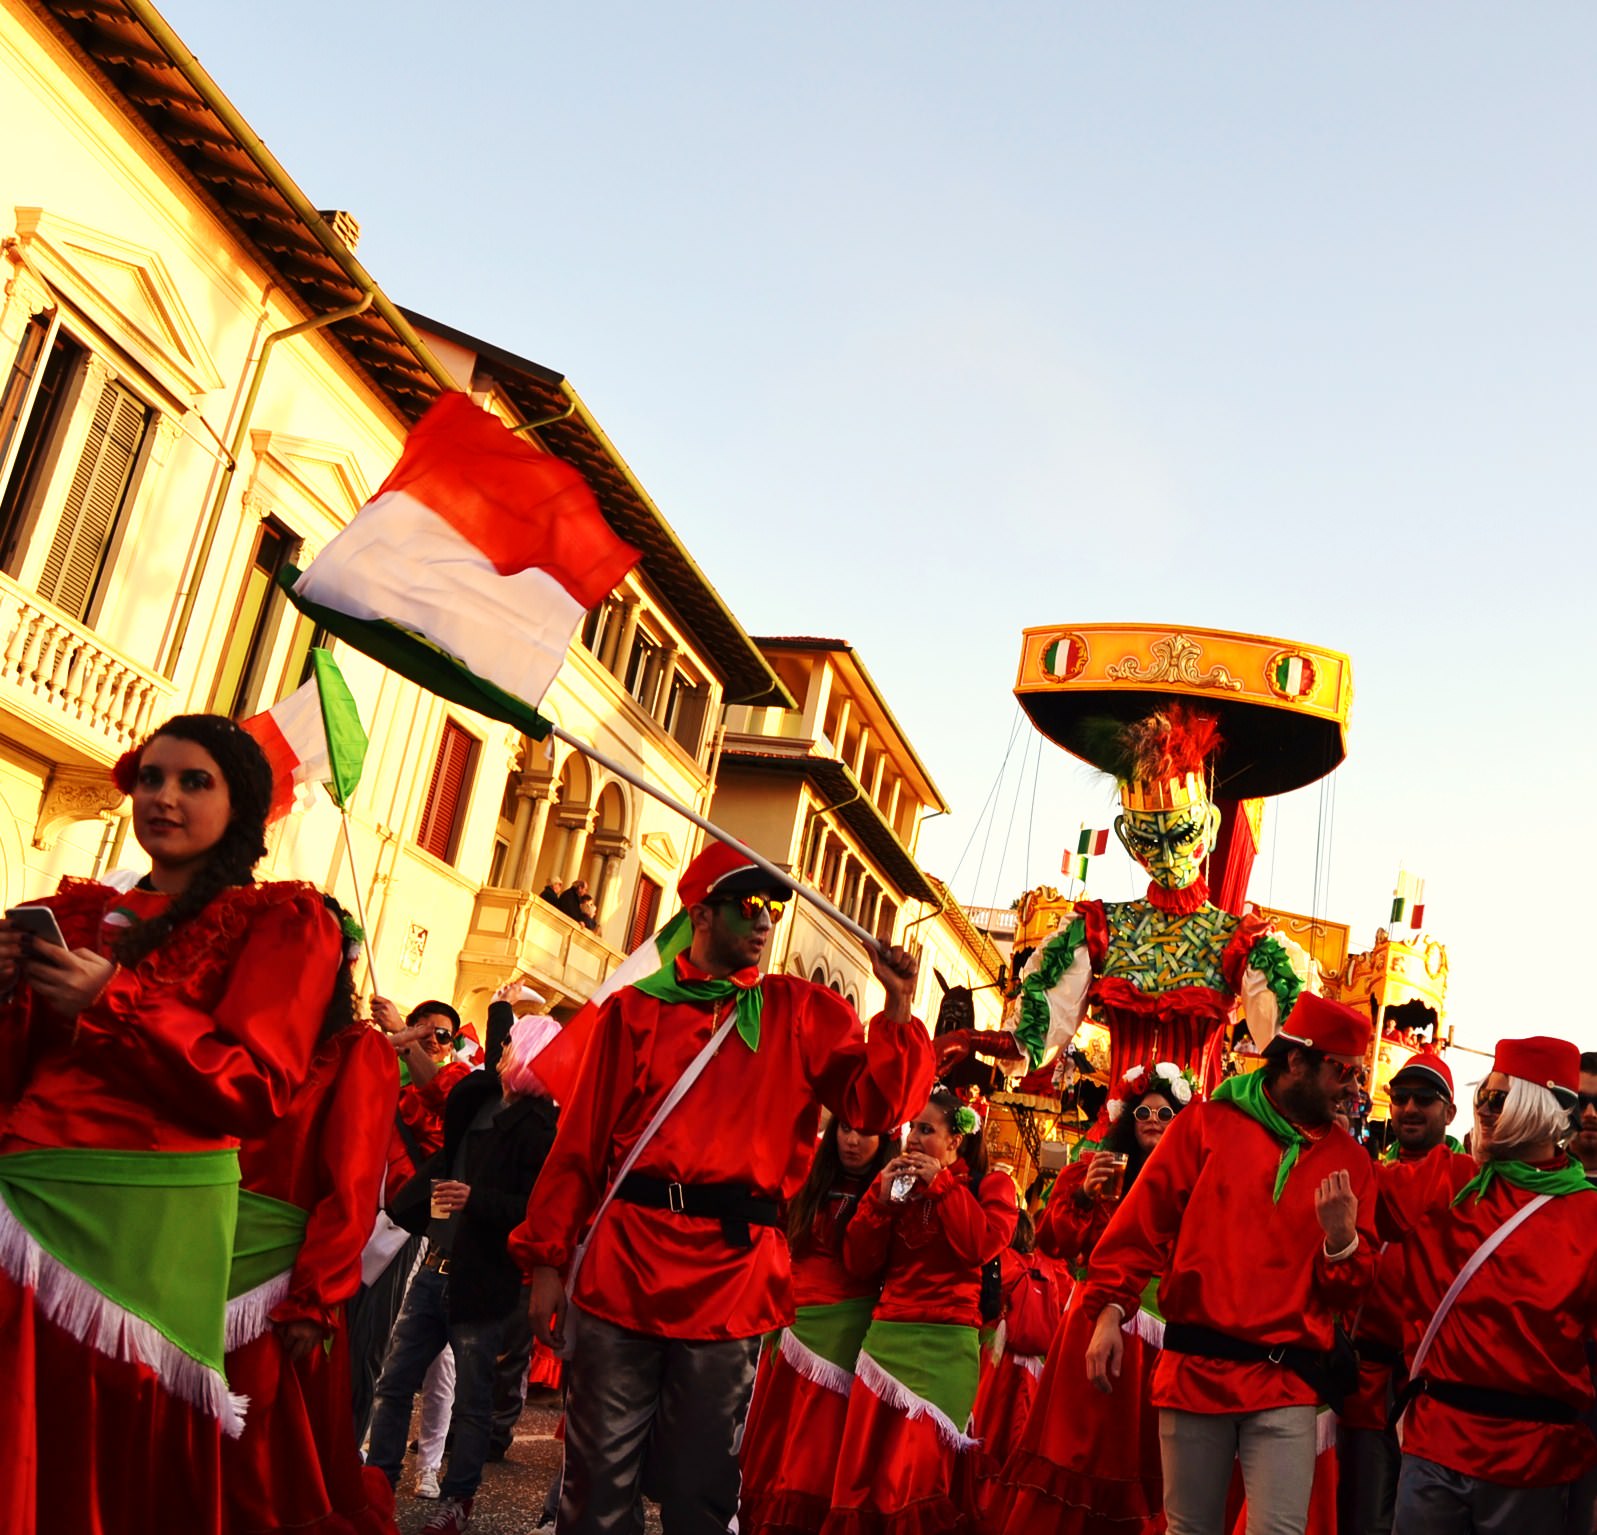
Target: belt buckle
676, 1200
1277, 1354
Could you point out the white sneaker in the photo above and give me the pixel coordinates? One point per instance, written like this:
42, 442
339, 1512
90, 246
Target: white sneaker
427, 1482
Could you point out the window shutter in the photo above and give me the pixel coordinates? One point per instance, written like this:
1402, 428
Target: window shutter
94, 501
446, 792
645, 911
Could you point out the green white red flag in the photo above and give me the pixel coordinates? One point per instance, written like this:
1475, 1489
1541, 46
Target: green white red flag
1091, 844
314, 736
470, 569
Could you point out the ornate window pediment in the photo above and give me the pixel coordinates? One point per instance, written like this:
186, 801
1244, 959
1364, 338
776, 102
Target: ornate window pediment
293, 471
125, 292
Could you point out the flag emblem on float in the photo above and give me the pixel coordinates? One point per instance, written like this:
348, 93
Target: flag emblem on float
1291, 675
1065, 657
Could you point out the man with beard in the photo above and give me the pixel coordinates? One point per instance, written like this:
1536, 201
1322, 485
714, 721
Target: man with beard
1258, 1211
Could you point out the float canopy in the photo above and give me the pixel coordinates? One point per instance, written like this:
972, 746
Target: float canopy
1283, 707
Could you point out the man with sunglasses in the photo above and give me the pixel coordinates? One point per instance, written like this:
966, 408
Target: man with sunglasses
1258, 1212
688, 1268
1421, 1093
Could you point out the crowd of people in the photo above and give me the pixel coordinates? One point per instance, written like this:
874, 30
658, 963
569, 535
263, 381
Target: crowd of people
760, 1248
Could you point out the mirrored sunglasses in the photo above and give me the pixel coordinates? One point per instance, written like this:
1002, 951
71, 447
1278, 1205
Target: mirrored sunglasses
1491, 1099
750, 906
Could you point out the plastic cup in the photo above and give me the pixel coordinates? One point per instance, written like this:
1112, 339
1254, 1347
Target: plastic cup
435, 1209
1117, 1173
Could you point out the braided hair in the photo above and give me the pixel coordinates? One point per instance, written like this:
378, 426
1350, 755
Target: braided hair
232, 861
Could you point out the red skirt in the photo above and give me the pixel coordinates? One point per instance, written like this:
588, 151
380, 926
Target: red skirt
1003, 1404
790, 1449
95, 1445
1085, 1463
296, 1466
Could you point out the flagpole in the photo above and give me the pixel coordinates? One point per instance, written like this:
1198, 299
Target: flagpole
814, 897
360, 905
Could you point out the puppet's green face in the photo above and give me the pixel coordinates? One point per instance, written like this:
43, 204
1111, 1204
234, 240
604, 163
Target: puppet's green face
1171, 844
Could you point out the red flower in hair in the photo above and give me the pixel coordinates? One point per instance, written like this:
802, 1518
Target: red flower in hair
125, 770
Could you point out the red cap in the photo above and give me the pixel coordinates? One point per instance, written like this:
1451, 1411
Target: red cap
1548, 1062
1429, 1065
1333, 1028
719, 870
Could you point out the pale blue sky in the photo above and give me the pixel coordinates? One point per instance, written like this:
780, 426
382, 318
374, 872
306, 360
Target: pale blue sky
924, 323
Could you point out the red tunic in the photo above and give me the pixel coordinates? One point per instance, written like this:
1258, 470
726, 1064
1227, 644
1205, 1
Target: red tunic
1201, 1213
933, 1246
750, 1119
327, 1156
206, 1039
1070, 1226
1520, 1325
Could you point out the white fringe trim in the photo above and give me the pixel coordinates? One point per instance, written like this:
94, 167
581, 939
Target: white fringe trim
813, 1367
1030, 1363
97, 1322
901, 1399
250, 1314
1149, 1328
1000, 1340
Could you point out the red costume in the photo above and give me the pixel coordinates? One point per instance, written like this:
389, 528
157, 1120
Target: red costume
108, 1423
909, 1411
795, 1423
671, 1275
296, 1466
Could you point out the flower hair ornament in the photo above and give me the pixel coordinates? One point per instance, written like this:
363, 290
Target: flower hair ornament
354, 937
966, 1120
1164, 1077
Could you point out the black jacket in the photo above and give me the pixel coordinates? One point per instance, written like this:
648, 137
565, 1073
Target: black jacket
484, 1284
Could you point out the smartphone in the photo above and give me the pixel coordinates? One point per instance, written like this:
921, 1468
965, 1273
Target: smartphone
39, 921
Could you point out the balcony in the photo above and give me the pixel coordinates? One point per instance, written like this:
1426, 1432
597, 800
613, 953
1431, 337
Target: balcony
67, 694
514, 930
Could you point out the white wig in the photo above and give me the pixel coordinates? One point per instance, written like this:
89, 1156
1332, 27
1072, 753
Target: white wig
1530, 1114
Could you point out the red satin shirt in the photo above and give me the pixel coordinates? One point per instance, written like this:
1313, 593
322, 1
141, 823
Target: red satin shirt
1067, 1231
750, 1119
1202, 1216
820, 1277
327, 1155
930, 1249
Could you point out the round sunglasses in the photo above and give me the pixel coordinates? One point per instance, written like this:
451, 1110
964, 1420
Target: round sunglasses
1146, 1111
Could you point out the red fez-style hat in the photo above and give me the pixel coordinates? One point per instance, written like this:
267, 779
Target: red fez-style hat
720, 871
1545, 1061
1333, 1028
1430, 1066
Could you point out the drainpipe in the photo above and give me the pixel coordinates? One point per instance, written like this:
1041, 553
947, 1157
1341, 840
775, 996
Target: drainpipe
225, 484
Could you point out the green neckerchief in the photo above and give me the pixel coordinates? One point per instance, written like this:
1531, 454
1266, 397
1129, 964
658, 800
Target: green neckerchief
666, 985
1451, 1142
266, 1242
151, 1231
1246, 1092
1568, 1179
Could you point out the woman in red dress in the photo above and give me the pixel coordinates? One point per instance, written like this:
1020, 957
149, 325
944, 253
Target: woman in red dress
1088, 1464
795, 1422
180, 1016
935, 1217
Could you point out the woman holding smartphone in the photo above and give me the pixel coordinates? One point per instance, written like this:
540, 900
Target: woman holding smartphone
935, 1217
1085, 1463
181, 1015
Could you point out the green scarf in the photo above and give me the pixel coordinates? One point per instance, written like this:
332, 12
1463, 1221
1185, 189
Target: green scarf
1392, 1152
667, 986
1568, 1179
1246, 1092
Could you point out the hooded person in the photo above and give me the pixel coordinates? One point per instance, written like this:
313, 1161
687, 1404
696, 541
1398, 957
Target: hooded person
686, 1268
1494, 1414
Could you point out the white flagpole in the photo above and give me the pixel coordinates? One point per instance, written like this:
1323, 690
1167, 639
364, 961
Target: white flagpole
360, 905
814, 897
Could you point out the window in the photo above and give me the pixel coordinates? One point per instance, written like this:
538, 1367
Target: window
444, 812
684, 713
645, 912
297, 669
640, 673
240, 677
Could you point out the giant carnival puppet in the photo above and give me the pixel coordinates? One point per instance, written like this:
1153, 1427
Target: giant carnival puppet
1187, 723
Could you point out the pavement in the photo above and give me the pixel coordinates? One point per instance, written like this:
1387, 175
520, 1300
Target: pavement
510, 1499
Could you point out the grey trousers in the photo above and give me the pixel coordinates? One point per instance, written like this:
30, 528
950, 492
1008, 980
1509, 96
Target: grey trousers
1276, 1449
630, 1397
1432, 1500
1366, 1480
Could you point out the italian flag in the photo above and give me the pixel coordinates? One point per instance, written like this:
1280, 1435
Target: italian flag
470, 569
559, 1063
313, 736
1092, 844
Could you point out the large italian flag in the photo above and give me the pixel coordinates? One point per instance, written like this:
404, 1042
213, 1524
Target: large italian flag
471, 568
313, 736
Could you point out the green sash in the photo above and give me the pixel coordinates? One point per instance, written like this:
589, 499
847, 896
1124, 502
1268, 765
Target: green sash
835, 1332
939, 1362
151, 1231
266, 1242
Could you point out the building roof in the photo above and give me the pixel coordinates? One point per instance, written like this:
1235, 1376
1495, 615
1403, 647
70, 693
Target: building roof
142, 62
980, 947
853, 806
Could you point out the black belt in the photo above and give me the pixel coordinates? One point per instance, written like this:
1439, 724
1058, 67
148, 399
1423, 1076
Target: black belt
1326, 1372
1487, 1401
437, 1260
735, 1206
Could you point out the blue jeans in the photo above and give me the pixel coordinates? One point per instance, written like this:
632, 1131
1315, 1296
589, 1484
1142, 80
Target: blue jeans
419, 1336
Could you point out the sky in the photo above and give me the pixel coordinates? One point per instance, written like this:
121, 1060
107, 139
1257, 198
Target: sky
925, 323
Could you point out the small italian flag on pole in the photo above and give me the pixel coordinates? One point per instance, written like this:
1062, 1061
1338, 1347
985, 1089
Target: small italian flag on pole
313, 736
1092, 843
1408, 900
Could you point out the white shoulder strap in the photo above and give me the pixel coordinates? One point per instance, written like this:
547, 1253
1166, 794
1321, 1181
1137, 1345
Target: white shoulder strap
679, 1091
1476, 1260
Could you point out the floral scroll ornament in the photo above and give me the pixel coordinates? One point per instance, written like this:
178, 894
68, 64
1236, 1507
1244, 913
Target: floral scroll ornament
1176, 660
